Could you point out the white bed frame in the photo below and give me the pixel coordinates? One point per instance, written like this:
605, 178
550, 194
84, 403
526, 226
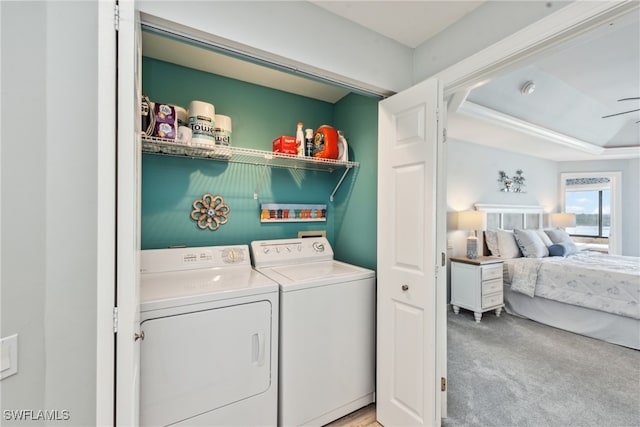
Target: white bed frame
597, 324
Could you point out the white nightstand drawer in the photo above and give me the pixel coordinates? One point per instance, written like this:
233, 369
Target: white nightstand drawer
491, 286
492, 272
491, 300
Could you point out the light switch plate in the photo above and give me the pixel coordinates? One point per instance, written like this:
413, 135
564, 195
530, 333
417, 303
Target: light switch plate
8, 356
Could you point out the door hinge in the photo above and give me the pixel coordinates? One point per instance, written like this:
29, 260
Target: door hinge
444, 135
116, 17
115, 320
443, 384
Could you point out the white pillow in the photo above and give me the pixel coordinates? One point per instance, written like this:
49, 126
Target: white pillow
545, 237
507, 245
558, 235
530, 244
492, 242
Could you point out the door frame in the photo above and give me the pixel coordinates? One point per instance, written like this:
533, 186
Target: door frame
128, 158
509, 53
106, 199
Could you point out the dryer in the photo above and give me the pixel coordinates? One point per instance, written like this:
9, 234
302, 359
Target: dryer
327, 330
209, 349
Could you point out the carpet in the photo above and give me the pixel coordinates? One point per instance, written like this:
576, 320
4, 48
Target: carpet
509, 371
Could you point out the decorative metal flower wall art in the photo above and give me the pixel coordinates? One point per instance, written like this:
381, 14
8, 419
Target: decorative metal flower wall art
513, 184
210, 212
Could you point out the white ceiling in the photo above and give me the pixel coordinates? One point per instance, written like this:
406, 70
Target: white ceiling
407, 22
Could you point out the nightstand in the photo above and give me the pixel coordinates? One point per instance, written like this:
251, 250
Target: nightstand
476, 285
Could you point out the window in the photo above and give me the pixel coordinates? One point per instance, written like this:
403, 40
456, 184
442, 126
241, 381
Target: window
592, 209
596, 199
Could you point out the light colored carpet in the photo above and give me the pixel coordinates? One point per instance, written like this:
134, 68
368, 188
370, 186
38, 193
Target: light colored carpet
509, 371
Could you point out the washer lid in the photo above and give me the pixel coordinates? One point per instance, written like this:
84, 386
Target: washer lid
299, 276
178, 288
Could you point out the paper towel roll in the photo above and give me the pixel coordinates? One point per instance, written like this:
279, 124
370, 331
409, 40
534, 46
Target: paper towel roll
202, 122
222, 130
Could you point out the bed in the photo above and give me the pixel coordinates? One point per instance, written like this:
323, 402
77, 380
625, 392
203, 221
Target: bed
581, 291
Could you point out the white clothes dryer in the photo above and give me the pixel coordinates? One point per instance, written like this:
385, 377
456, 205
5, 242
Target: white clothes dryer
327, 330
209, 349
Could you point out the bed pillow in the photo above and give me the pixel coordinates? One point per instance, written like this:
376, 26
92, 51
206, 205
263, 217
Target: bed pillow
492, 242
544, 237
557, 235
562, 249
530, 244
507, 245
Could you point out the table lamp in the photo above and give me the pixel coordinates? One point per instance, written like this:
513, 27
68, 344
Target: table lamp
472, 221
563, 220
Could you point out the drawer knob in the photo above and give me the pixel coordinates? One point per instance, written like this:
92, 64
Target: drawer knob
405, 287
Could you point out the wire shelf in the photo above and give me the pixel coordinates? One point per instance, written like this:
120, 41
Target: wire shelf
160, 146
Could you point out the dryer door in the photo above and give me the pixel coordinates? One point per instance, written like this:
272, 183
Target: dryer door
196, 362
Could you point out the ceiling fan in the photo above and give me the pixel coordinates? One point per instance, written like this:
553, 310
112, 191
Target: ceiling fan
625, 112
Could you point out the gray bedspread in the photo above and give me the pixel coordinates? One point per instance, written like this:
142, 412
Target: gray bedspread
589, 279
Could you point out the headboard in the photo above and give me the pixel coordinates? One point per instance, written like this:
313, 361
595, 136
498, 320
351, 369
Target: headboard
509, 217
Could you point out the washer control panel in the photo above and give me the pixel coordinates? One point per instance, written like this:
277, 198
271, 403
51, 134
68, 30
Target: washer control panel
266, 253
176, 259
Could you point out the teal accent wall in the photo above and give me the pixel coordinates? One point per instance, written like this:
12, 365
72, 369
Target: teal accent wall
356, 208
259, 114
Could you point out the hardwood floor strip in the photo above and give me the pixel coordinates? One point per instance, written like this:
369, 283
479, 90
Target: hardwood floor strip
364, 417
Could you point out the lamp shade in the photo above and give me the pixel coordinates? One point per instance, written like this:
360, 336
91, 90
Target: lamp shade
472, 220
563, 220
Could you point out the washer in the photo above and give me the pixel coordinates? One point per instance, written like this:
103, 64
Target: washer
327, 330
209, 352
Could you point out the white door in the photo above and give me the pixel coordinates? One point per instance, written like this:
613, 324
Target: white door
409, 138
128, 216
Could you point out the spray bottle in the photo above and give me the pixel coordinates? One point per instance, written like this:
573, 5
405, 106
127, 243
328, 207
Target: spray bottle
300, 140
308, 142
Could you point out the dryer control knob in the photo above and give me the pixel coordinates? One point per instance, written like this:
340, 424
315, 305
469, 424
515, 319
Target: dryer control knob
318, 247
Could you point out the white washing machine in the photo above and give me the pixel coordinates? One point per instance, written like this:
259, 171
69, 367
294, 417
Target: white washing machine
327, 330
209, 353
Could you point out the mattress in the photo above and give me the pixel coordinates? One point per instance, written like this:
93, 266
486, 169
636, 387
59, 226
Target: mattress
588, 279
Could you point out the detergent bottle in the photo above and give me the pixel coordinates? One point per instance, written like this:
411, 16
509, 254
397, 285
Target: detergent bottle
326, 143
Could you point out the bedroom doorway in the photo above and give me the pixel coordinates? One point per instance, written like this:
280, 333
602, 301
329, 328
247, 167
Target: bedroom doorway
513, 52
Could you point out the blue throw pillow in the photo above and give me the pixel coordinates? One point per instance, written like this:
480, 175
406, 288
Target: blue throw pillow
562, 249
